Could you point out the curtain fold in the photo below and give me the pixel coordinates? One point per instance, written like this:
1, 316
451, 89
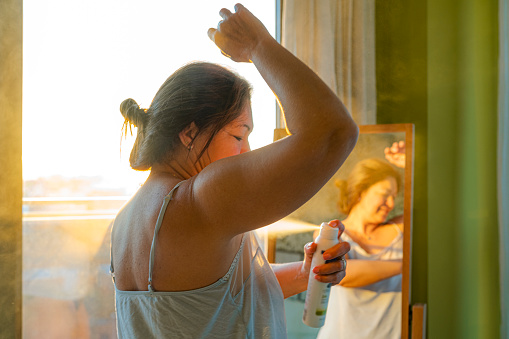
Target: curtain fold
503, 163
336, 39
463, 213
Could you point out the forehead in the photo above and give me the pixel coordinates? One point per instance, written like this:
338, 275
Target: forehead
245, 119
388, 183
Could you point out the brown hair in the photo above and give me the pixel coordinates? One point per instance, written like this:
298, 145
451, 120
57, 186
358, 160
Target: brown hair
365, 174
204, 93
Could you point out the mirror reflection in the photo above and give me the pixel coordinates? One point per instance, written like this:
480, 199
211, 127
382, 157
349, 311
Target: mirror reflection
371, 195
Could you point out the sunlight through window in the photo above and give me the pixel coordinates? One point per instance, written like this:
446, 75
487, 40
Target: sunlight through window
80, 61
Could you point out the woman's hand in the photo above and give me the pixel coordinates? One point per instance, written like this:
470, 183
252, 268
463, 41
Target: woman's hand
238, 34
334, 270
396, 154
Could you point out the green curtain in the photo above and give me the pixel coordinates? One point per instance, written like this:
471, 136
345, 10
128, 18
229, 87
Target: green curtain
463, 250
503, 163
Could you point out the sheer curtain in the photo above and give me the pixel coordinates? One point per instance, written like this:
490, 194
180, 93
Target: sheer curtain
503, 163
337, 40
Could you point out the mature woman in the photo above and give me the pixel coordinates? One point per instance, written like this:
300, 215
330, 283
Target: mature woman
185, 260
367, 303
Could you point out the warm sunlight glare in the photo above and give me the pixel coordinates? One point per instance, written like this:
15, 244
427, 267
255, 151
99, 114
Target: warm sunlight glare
82, 59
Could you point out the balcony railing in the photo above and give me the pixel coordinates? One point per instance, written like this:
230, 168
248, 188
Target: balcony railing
66, 266
72, 208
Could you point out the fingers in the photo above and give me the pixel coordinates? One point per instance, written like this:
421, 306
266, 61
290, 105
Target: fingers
331, 267
216, 34
397, 147
337, 251
331, 273
238, 7
331, 278
334, 269
334, 223
212, 36
211, 33
238, 34
225, 13
337, 224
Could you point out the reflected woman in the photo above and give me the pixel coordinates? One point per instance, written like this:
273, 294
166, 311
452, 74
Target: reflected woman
367, 302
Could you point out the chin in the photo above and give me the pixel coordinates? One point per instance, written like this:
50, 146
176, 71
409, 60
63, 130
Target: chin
382, 219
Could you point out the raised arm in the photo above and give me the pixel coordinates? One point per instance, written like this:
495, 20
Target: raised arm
256, 188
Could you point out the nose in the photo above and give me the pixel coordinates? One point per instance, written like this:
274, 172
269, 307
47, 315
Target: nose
390, 202
245, 147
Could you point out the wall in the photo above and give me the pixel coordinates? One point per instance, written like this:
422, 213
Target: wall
401, 72
10, 167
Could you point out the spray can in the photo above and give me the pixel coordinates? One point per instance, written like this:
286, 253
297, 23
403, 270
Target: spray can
317, 296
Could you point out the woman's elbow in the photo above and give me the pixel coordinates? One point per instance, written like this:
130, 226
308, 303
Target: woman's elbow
353, 133
346, 135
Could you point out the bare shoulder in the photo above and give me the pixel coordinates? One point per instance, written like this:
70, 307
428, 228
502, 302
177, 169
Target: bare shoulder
144, 208
398, 221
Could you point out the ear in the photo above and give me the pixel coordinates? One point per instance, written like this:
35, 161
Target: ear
188, 134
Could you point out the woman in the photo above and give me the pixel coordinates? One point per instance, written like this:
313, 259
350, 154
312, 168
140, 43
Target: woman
367, 303
185, 260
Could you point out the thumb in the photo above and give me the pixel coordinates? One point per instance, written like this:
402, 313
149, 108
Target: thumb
309, 250
211, 33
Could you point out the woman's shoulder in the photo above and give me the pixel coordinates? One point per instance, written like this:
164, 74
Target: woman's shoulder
397, 221
146, 203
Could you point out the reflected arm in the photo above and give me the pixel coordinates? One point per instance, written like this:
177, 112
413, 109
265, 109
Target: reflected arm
364, 272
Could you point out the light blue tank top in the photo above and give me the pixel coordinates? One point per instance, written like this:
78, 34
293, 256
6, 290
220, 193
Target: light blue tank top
247, 302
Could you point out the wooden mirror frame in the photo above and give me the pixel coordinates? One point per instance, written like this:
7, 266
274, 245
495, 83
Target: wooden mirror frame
408, 129
407, 213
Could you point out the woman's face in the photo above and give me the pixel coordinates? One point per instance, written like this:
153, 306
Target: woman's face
232, 139
378, 200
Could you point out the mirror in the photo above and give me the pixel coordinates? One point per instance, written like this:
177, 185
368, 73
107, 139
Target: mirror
287, 238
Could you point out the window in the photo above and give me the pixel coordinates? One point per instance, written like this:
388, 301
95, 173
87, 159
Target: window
81, 59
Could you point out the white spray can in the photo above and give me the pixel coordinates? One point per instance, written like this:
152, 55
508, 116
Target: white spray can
317, 296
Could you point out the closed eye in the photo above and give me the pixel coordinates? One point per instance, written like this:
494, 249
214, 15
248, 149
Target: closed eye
238, 138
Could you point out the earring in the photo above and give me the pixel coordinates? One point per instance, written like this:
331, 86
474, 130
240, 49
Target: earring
190, 147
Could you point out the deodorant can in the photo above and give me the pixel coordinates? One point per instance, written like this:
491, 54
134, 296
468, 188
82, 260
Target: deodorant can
317, 296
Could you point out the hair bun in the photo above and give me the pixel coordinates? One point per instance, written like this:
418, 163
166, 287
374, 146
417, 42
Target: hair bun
132, 112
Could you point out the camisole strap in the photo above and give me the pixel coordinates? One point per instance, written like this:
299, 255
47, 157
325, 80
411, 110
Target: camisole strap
112, 271
156, 231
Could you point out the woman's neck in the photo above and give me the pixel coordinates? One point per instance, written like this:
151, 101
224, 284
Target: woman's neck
356, 222
171, 169
182, 165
